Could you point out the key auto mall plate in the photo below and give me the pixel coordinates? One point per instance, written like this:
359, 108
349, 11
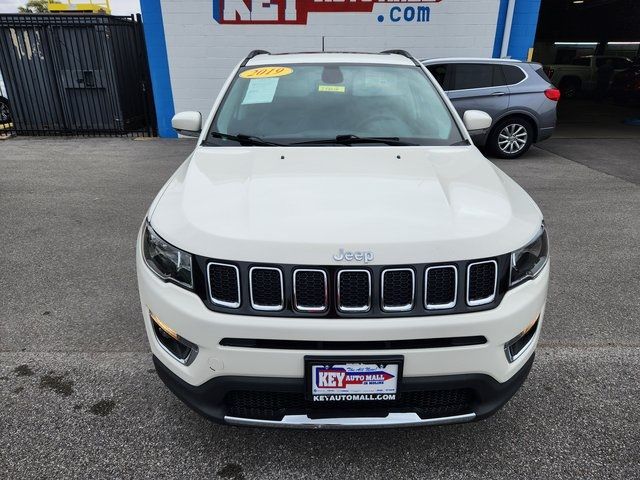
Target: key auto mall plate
352, 379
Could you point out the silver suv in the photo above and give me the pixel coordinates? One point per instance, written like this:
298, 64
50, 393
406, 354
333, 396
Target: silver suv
518, 95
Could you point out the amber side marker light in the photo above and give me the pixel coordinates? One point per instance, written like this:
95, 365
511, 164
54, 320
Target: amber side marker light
169, 331
179, 348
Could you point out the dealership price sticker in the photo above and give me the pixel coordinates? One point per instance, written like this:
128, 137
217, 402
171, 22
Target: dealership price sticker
261, 90
354, 382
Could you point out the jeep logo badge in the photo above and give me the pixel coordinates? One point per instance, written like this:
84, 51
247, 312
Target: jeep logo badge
365, 257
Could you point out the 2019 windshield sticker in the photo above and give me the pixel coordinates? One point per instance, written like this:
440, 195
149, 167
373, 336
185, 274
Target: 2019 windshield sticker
266, 72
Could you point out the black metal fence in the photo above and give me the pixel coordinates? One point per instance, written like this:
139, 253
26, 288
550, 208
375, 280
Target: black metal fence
74, 74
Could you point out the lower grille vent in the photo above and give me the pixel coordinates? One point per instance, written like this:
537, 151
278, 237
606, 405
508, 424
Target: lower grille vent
275, 405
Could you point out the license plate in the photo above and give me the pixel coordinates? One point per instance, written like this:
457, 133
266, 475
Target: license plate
353, 380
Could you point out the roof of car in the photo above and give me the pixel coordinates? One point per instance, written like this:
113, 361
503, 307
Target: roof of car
330, 57
469, 60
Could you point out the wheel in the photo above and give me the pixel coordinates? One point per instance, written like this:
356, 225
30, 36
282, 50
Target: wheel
569, 88
5, 114
511, 137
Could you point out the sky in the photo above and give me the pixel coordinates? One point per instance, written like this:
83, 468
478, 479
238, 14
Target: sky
118, 7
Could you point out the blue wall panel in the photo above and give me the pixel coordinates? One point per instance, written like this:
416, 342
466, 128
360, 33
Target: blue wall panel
523, 28
502, 18
158, 65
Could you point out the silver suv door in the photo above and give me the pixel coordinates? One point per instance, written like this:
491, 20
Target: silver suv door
478, 86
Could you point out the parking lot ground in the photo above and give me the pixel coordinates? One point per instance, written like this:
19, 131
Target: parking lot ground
80, 398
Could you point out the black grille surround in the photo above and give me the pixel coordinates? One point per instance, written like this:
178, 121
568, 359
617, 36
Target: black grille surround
376, 310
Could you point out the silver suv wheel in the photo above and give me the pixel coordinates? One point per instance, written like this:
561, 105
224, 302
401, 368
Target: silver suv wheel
512, 138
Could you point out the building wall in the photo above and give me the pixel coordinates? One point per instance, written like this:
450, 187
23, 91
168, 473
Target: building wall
205, 39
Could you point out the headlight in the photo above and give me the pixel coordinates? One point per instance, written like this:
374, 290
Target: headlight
166, 261
528, 261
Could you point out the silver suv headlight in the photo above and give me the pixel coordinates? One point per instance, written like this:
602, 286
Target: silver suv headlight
165, 260
528, 261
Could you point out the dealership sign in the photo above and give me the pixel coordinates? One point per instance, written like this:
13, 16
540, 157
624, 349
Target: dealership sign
295, 12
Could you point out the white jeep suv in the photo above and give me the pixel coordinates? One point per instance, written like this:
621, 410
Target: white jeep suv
336, 253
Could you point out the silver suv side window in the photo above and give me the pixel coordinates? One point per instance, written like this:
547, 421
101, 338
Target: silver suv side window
442, 73
477, 75
513, 74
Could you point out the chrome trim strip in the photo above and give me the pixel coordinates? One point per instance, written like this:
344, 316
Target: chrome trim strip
490, 298
401, 308
266, 308
323, 308
440, 306
364, 308
392, 420
221, 302
507, 346
192, 354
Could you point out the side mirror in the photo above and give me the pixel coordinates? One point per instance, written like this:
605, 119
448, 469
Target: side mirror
188, 124
476, 120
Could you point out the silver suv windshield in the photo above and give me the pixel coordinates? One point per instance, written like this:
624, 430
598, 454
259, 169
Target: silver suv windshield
328, 104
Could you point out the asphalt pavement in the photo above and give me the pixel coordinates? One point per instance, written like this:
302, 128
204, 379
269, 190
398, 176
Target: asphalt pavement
80, 398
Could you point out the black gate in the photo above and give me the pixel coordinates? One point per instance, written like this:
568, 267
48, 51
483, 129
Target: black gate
75, 74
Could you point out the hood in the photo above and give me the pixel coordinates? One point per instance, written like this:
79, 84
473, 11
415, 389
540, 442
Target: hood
303, 204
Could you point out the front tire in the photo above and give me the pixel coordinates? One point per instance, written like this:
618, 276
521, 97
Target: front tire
511, 137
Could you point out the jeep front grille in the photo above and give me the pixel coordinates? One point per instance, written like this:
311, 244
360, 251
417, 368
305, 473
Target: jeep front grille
336, 291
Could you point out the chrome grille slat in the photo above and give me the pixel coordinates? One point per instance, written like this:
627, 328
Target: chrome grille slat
258, 289
397, 290
350, 287
222, 292
433, 303
478, 279
304, 289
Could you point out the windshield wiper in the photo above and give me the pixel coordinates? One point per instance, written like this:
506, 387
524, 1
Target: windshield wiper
244, 139
353, 139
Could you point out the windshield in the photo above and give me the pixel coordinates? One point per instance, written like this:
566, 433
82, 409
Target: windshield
293, 104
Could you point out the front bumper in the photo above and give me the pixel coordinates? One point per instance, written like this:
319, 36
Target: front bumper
212, 400
218, 369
